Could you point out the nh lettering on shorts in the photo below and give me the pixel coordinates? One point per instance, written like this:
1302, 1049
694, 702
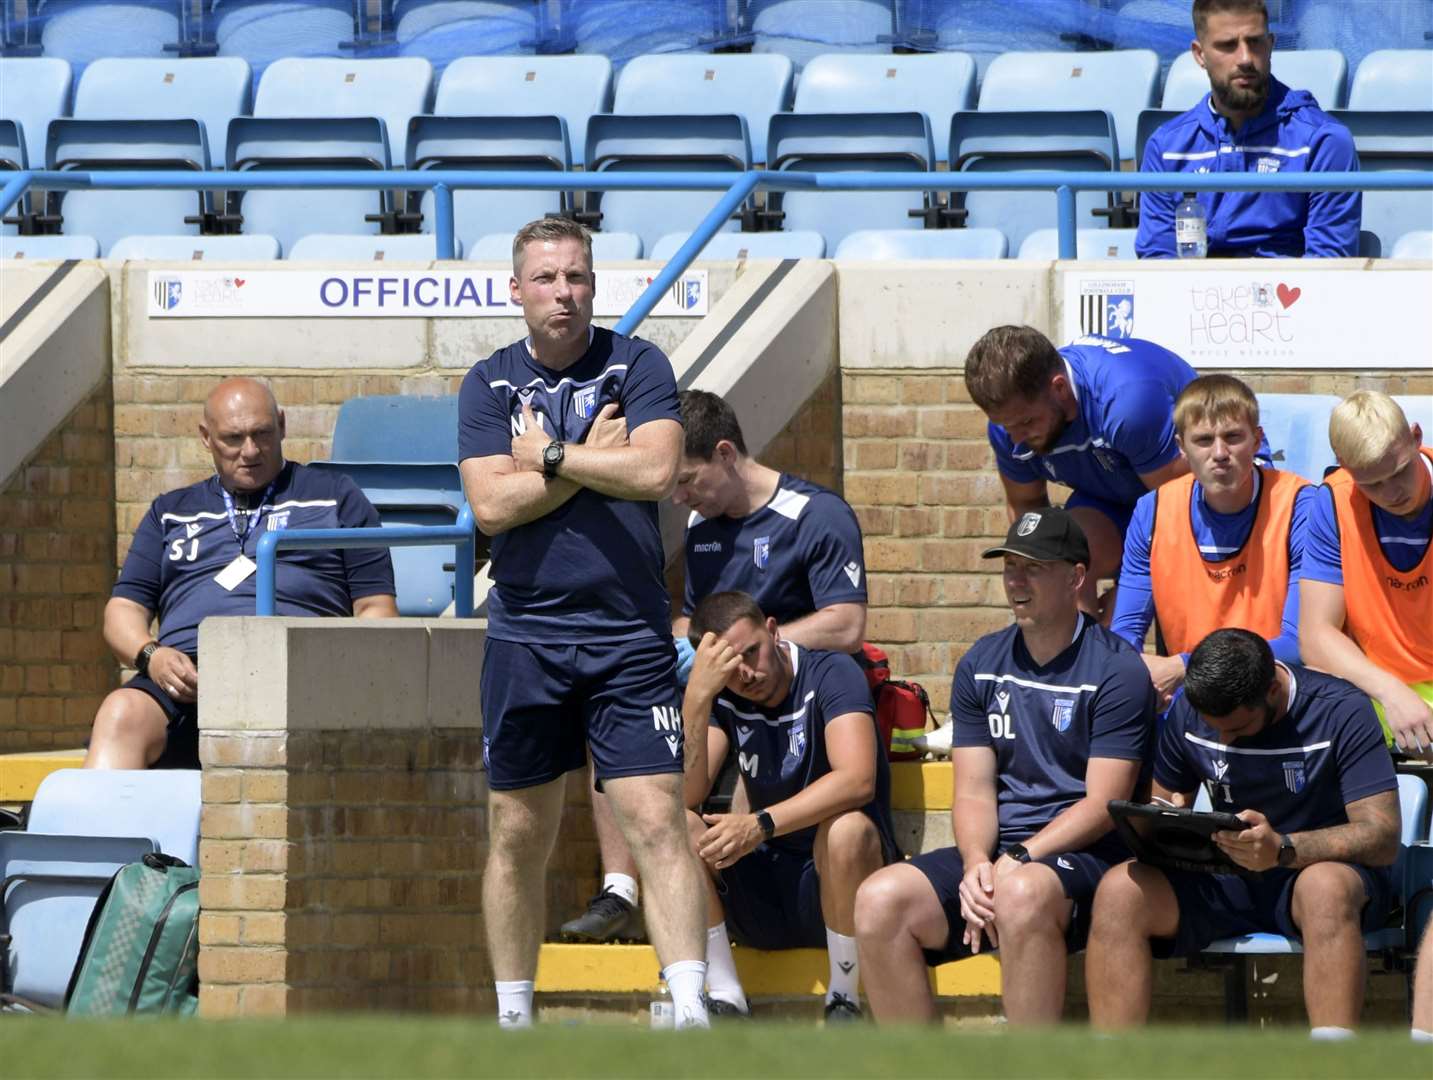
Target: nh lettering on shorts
797, 554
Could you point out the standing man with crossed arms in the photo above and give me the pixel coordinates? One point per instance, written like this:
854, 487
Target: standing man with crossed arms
566, 442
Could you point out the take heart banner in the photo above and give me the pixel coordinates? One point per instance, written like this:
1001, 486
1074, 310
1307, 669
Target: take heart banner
1284, 313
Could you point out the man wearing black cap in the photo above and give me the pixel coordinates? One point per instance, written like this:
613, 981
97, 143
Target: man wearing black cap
1053, 719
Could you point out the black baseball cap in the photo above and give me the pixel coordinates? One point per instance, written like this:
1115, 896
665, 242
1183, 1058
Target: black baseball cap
1045, 535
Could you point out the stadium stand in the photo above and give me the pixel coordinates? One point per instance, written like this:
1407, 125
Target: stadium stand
923, 244
1089, 244
794, 244
81, 31
212, 90
1393, 79
1413, 245
606, 247
1392, 140
36, 90
1359, 30
48, 247
987, 28
253, 248
622, 31
318, 247
445, 31
804, 29
264, 31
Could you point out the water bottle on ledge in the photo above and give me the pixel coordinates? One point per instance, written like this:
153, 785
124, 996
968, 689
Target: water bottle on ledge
1191, 229
663, 1014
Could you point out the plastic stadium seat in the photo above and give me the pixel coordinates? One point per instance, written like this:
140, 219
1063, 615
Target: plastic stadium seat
394, 90
850, 142
746, 245
937, 84
34, 91
572, 87
97, 145
1185, 84
255, 248
1359, 29
1418, 408
1413, 245
1322, 72
1297, 429
265, 143
1393, 79
1121, 83
753, 87
212, 90
804, 29
263, 31
606, 247
82, 31
161, 804
1089, 244
985, 29
923, 244
1150, 121
622, 31
13, 156
397, 428
1393, 140
489, 143
1082, 141
319, 247
49, 247
444, 30
662, 144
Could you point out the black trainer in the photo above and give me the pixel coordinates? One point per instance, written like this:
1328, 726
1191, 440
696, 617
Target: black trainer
842, 1010
609, 917
719, 1009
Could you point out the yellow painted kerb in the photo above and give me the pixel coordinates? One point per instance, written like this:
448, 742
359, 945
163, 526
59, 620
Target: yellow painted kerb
922, 785
20, 774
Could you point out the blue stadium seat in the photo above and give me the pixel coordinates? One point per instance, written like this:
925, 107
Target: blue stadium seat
1296, 427
1161, 25
1393, 79
923, 244
394, 90
92, 145
663, 144
397, 428
606, 247
161, 804
36, 90
267, 143
489, 143
804, 29
1185, 84
1414, 245
1418, 408
850, 142
937, 84
262, 31
48, 247
82, 31
1082, 141
1358, 30
212, 90
1393, 141
1121, 83
624, 30
338, 248
443, 31
13, 157
1322, 72
1089, 244
985, 29
195, 248
753, 87
746, 245
572, 87
1150, 121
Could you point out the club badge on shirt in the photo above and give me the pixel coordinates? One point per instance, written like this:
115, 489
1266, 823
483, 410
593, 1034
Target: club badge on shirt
761, 551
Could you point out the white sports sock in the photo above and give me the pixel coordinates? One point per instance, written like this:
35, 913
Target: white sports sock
1331, 1033
1421, 1036
514, 1004
845, 967
685, 979
624, 885
723, 983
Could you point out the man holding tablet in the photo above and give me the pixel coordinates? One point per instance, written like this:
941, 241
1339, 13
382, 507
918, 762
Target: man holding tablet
1304, 749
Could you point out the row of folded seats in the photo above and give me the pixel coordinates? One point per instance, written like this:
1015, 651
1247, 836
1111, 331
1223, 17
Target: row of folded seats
721, 114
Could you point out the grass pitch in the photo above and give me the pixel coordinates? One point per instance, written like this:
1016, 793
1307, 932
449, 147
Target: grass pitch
355, 1048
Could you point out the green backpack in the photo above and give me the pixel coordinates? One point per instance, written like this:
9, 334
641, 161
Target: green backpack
140, 952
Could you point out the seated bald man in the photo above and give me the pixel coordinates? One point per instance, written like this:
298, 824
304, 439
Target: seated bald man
193, 556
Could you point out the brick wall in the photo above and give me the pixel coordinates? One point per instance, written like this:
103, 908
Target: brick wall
56, 568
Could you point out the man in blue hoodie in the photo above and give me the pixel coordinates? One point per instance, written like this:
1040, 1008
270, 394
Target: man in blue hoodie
1250, 122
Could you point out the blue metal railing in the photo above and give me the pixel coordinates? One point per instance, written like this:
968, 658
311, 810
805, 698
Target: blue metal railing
459, 533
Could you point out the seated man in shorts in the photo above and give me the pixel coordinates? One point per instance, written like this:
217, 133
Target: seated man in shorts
784, 875
1052, 720
1299, 757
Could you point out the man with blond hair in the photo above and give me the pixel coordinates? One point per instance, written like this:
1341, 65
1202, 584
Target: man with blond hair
1366, 590
1219, 546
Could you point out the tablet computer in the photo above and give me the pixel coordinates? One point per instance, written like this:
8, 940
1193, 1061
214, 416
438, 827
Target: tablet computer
1175, 839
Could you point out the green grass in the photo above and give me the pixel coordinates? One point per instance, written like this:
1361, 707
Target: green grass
383, 1046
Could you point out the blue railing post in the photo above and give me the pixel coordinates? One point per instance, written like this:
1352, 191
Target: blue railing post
443, 219
267, 554
14, 188
465, 565
1065, 211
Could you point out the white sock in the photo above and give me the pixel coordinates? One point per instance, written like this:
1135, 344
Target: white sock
723, 983
624, 885
685, 979
1331, 1034
845, 967
1420, 1036
515, 1004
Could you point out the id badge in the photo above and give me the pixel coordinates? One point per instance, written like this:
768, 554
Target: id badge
236, 572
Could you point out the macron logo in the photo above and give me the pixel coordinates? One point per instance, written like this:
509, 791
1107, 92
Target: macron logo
714, 547
853, 571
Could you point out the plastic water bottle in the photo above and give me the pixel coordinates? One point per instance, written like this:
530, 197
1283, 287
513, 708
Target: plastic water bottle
663, 1013
1191, 229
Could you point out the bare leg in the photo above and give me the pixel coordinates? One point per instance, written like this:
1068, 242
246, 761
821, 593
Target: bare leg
1327, 908
897, 915
696, 827
847, 852
130, 731
1133, 904
1032, 915
1423, 982
616, 857
522, 828
1106, 552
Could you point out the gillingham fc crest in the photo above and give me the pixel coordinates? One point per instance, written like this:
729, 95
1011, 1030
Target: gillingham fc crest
1028, 524
167, 293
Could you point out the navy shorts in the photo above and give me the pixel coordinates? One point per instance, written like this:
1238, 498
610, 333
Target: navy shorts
1214, 906
1079, 873
772, 900
1119, 513
544, 706
181, 746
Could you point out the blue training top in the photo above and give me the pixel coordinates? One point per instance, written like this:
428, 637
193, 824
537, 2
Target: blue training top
186, 539
1044, 723
1125, 426
782, 750
1402, 540
797, 554
591, 570
1300, 772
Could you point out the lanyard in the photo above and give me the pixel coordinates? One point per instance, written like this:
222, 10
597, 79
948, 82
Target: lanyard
243, 535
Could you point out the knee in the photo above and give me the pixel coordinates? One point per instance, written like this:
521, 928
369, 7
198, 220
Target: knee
846, 844
125, 715
1028, 898
882, 903
1327, 897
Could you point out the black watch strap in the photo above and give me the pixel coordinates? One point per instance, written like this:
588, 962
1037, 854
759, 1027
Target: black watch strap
552, 456
141, 662
768, 827
1018, 853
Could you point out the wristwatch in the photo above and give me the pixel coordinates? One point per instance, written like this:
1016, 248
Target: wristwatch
767, 826
552, 455
1018, 853
1287, 852
141, 662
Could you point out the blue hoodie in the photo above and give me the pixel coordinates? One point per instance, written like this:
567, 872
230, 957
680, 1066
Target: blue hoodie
1292, 134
